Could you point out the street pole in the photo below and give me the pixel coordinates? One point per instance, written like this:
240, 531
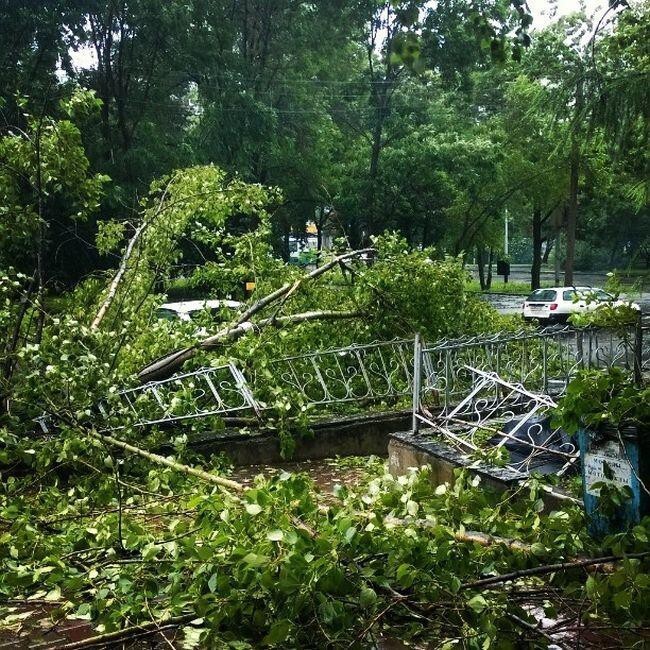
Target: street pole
558, 240
505, 246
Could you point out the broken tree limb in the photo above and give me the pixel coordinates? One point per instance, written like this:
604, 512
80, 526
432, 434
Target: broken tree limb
125, 634
550, 568
208, 477
467, 536
117, 278
165, 366
537, 629
162, 460
308, 315
291, 287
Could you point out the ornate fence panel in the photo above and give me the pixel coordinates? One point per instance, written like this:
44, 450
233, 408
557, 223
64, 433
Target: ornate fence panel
437, 376
497, 414
209, 391
543, 361
358, 373
486, 393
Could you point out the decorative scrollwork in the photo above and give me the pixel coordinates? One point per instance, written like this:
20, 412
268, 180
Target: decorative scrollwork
544, 360
496, 414
205, 392
376, 371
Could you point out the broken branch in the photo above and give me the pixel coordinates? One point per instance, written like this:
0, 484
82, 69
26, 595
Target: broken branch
172, 362
550, 568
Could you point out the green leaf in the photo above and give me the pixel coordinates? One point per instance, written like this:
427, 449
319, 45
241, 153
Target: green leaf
255, 560
623, 599
478, 603
367, 597
278, 633
253, 509
275, 536
405, 575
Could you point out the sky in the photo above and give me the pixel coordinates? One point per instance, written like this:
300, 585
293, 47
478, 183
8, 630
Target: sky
542, 10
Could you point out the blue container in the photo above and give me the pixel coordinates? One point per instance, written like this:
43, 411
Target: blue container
628, 459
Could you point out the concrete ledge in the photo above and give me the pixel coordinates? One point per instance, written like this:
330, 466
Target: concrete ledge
407, 450
363, 435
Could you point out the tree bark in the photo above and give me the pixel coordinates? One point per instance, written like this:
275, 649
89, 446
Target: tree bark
488, 281
480, 261
119, 275
536, 268
162, 460
550, 568
550, 242
574, 180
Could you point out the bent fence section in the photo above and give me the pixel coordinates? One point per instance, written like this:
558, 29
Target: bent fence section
431, 376
542, 361
492, 397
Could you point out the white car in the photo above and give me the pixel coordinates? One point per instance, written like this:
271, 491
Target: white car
556, 304
186, 310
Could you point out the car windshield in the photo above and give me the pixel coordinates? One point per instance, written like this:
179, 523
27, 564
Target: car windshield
542, 295
593, 295
167, 314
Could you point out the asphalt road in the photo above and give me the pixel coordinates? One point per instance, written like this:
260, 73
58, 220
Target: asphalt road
508, 304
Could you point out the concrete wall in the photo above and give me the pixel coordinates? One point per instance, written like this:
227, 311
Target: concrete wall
406, 450
353, 436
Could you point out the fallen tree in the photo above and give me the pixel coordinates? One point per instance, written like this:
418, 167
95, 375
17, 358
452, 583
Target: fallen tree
173, 362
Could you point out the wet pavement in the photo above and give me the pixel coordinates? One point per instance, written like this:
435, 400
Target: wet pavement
327, 473
511, 304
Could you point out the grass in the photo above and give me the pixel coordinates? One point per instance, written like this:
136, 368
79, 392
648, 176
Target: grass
512, 288
633, 280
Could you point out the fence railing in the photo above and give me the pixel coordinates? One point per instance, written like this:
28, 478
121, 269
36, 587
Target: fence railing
543, 361
222, 390
356, 373
439, 375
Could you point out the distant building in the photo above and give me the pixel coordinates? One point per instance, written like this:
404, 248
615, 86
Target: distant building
301, 244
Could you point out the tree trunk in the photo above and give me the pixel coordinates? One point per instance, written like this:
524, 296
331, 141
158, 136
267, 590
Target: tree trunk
574, 180
550, 243
319, 228
381, 93
371, 198
426, 230
286, 253
537, 250
488, 282
480, 261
